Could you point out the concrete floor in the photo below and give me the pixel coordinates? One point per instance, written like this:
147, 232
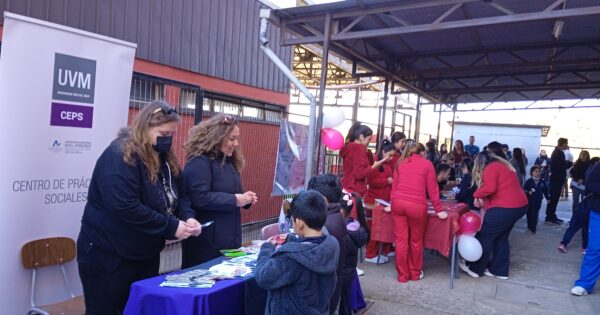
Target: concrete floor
540, 280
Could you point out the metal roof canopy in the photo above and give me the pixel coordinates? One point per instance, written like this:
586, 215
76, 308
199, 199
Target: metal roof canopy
461, 51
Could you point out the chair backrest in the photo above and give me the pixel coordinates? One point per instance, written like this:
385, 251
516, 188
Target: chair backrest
269, 230
48, 252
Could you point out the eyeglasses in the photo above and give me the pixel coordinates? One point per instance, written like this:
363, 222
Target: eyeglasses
166, 110
228, 120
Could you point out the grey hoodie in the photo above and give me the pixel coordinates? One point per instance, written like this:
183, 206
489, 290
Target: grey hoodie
300, 276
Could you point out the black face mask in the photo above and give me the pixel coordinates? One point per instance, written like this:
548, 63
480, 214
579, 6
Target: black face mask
163, 145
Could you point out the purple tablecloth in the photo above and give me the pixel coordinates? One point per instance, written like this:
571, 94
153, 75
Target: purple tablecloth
225, 297
240, 296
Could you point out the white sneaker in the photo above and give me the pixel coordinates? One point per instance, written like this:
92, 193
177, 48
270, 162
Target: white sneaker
382, 259
579, 291
422, 275
391, 254
462, 264
489, 274
359, 271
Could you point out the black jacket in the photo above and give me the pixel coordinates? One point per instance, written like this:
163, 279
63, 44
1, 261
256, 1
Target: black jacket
125, 216
559, 166
538, 192
592, 187
300, 276
579, 169
336, 226
357, 238
466, 191
212, 185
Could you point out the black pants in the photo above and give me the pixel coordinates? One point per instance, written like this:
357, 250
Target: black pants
106, 292
335, 298
555, 191
533, 212
346, 298
579, 220
493, 236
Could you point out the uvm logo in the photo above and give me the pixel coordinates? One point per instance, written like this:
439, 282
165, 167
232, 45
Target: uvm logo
74, 79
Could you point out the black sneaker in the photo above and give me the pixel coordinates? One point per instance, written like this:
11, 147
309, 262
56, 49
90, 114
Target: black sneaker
551, 221
558, 220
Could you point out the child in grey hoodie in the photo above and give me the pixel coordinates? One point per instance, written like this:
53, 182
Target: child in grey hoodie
300, 275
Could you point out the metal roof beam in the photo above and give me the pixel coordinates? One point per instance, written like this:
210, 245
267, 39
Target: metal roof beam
503, 9
574, 71
487, 50
487, 21
375, 10
515, 68
447, 13
375, 67
516, 88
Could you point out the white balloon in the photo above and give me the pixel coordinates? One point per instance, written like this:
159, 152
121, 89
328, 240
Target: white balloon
469, 248
333, 117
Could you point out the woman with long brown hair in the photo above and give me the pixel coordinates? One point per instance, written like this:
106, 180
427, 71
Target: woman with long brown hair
212, 177
136, 201
459, 151
414, 180
578, 172
505, 202
519, 164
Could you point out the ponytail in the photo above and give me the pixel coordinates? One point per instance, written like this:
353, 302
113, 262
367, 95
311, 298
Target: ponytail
356, 130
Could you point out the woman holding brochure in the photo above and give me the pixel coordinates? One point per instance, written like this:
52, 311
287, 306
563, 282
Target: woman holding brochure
212, 177
136, 201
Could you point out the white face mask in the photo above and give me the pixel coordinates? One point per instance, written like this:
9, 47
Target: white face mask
536, 178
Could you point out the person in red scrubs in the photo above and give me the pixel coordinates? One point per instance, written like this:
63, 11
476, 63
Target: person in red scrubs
398, 138
505, 202
379, 187
358, 159
414, 180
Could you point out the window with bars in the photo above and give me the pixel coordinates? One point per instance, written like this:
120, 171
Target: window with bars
145, 90
268, 113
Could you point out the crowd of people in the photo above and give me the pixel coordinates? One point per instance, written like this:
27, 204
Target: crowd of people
495, 179
139, 193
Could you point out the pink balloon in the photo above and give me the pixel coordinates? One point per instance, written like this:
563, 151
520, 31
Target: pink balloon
332, 138
470, 223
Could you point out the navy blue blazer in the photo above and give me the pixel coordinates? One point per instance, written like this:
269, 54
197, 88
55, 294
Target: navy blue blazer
125, 217
212, 185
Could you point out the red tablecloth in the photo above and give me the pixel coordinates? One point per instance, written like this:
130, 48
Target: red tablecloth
382, 225
438, 234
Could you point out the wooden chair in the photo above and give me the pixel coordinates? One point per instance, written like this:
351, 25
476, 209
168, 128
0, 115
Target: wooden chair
50, 252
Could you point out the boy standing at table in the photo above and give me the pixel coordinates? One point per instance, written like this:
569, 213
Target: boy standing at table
300, 274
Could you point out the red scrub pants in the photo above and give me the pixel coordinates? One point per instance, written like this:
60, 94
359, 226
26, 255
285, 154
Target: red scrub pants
410, 220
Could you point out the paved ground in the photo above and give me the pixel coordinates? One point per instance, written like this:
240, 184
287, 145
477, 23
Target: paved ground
540, 280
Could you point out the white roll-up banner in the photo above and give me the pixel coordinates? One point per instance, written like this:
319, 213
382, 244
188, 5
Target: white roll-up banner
64, 94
